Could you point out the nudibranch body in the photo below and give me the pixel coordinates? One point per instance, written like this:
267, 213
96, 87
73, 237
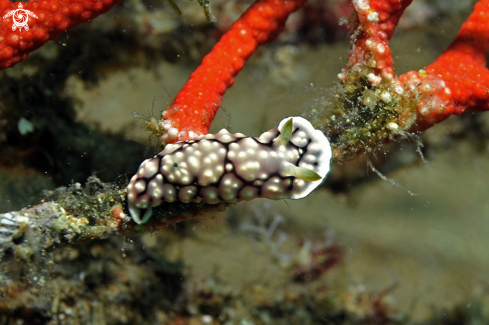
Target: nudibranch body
285, 164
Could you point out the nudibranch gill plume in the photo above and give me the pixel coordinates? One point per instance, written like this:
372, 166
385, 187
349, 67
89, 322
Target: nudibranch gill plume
284, 163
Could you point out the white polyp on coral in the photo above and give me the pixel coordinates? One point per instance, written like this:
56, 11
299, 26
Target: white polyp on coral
361, 4
225, 167
374, 79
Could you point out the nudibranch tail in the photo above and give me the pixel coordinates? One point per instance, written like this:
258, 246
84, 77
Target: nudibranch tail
288, 162
137, 212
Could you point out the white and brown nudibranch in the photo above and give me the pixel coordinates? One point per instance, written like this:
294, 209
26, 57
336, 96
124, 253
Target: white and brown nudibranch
284, 163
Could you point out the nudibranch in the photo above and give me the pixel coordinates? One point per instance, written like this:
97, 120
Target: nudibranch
284, 163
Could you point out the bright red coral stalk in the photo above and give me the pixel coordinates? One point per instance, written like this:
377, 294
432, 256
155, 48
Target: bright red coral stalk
196, 104
375, 106
455, 82
458, 80
377, 20
53, 17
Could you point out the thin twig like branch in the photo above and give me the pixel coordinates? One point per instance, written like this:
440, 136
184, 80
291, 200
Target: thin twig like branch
78, 214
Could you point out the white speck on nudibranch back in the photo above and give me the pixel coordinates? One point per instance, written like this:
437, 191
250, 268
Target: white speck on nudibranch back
225, 167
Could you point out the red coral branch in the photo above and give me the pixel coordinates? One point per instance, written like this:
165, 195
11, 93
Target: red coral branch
458, 80
455, 82
375, 106
377, 20
196, 104
53, 17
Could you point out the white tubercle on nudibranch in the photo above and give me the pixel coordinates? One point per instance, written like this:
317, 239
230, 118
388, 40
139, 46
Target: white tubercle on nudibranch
225, 167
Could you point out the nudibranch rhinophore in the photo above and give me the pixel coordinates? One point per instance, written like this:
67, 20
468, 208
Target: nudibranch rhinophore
284, 163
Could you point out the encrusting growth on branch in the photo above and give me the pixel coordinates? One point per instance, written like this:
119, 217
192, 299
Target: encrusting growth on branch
78, 214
